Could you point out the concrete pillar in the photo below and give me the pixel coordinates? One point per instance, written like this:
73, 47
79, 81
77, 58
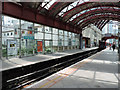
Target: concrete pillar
0, 30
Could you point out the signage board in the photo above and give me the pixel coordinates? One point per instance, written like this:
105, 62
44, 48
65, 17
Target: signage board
11, 47
28, 37
39, 46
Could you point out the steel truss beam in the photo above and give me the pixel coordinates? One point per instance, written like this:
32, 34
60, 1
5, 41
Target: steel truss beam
104, 24
85, 6
17, 11
93, 12
91, 20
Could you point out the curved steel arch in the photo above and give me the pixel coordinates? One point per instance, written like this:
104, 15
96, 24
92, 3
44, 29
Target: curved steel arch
91, 20
104, 24
86, 6
100, 23
57, 7
93, 12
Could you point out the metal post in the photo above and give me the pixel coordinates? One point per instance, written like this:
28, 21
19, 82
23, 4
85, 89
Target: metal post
119, 41
63, 41
43, 39
68, 40
0, 44
20, 41
51, 39
34, 40
58, 41
80, 40
0, 30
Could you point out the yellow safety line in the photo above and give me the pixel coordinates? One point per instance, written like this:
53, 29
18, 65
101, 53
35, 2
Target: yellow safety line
50, 81
68, 71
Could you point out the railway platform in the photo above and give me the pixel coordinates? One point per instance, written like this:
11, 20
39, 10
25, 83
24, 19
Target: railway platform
21, 62
97, 71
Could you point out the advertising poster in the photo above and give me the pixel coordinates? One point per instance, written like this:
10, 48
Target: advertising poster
39, 46
11, 47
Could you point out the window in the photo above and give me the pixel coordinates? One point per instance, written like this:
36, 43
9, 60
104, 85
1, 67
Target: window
7, 34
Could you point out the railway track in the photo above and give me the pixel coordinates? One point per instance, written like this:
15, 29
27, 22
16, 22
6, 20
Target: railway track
19, 77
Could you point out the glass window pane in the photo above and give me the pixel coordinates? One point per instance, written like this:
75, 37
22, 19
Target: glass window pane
55, 37
6, 32
65, 33
55, 31
47, 29
60, 32
47, 36
38, 27
66, 43
70, 34
27, 33
60, 37
26, 25
60, 43
10, 22
66, 38
38, 35
55, 43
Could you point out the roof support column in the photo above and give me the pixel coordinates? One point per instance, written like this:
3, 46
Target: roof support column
119, 42
0, 30
80, 41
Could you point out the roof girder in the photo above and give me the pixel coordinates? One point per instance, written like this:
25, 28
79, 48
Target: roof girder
78, 9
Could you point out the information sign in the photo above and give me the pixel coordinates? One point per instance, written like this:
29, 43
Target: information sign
11, 47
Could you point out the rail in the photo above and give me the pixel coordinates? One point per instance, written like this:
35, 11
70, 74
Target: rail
17, 78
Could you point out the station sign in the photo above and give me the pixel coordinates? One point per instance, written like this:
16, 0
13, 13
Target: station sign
11, 47
28, 37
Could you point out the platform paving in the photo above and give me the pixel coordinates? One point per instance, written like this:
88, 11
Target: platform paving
97, 71
19, 62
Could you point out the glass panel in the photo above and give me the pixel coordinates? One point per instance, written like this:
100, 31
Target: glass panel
47, 36
66, 43
47, 29
60, 37
65, 33
55, 46
26, 25
27, 46
27, 42
55, 37
55, 31
66, 38
70, 34
10, 31
60, 32
55, 43
69, 42
38, 27
60, 42
10, 22
38, 35
48, 46
7, 32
